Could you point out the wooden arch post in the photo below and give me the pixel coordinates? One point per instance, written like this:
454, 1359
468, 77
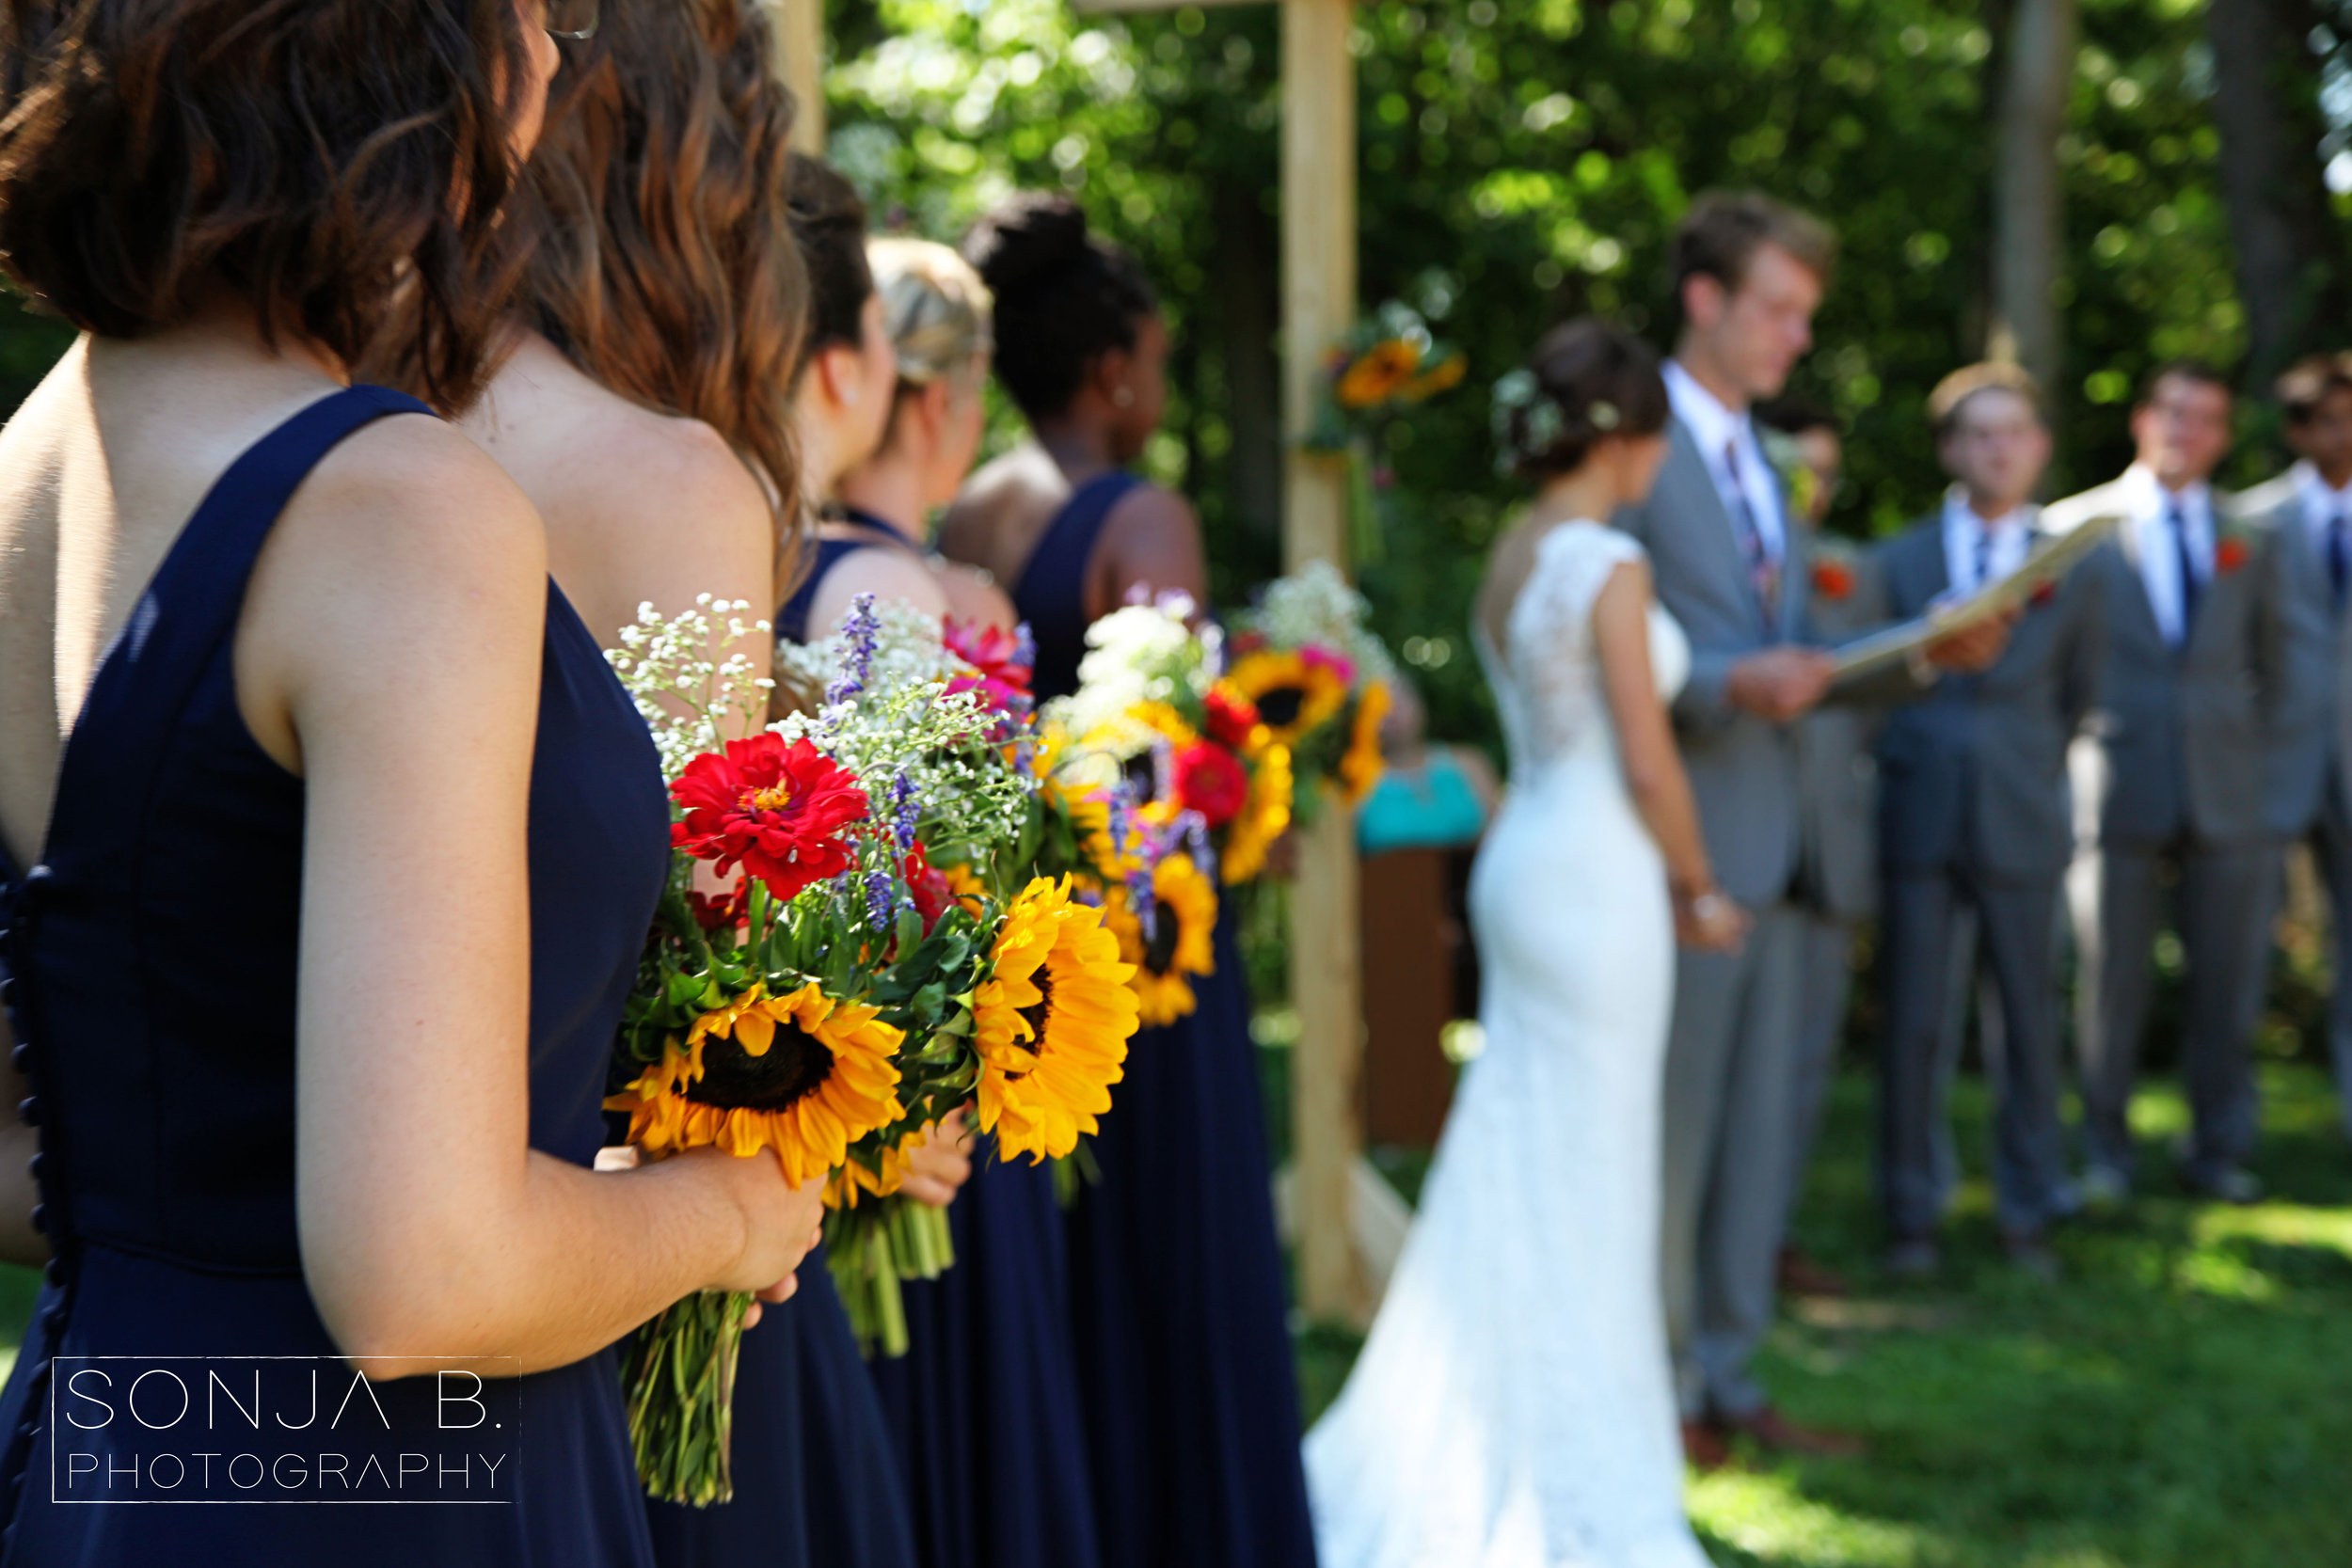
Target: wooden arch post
1318, 308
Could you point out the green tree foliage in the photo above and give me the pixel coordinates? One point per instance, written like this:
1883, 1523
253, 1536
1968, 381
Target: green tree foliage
1526, 161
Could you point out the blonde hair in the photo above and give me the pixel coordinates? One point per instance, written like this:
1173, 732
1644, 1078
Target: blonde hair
937, 310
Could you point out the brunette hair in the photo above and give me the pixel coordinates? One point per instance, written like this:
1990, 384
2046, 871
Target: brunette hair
1993, 376
829, 222
1063, 297
318, 159
1723, 229
1588, 380
669, 271
2307, 383
2196, 372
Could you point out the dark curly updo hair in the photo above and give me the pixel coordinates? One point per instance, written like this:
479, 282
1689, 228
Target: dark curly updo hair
319, 160
1587, 380
1063, 297
829, 221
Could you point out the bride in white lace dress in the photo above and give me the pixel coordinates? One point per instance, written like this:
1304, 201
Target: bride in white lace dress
1513, 1407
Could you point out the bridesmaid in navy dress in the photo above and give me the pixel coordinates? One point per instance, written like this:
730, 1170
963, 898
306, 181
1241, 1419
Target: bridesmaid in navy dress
1176, 1274
985, 1405
347, 770
675, 111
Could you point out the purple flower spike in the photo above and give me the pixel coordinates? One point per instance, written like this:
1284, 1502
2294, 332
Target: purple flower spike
905, 809
860, 632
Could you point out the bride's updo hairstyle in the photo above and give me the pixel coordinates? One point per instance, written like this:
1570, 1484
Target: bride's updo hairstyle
1063, 297
668, 271
938, 312
315, 160
1587, 381
829, 223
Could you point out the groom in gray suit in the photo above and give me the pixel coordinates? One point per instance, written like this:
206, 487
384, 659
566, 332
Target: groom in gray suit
1973, 815
2309, 508
1748, 275
2195, 698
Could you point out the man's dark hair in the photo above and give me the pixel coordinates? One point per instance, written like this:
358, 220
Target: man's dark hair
1723, 229
2201, 372
317, 159
1793, 414
2307, 383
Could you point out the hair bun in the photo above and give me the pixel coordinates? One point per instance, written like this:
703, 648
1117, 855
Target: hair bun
1032, 240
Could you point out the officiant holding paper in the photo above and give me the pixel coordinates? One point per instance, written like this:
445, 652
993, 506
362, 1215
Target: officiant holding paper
1973, 816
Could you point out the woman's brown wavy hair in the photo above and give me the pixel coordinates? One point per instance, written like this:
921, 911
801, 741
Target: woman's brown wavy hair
667, 269
316, 157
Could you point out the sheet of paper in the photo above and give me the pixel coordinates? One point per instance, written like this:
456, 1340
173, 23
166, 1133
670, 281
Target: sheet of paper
2047, 566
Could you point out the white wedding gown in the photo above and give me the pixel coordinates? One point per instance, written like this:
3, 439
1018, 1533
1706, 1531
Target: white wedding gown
1513, 1407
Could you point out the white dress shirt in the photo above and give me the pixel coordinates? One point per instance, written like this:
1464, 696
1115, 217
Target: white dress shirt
1726, 440
1978, 551
2322, 506
2159, 556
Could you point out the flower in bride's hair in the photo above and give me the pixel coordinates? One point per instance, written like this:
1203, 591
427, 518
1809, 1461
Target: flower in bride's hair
803, 1074
1051, 1024
777, 809
1603, 414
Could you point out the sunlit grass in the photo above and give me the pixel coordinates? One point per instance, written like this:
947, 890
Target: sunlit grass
2182, 1400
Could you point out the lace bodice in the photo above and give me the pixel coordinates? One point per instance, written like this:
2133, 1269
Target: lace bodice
1548, 681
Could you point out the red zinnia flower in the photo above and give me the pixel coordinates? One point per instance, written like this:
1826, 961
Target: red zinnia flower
995, 653
730, 910
1211, 781
778, 810
1231, 718
929, 887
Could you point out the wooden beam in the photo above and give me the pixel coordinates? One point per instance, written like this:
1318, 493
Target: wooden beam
800, 32
1318, 307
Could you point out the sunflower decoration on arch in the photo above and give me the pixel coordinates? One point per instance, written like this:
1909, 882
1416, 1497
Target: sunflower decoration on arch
1306, 657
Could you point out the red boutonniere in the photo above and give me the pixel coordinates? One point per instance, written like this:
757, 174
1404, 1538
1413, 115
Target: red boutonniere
2230, 554
2042, 595
1833, 579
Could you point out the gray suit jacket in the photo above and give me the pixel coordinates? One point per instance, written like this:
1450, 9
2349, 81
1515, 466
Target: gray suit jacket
2315, 724
1973, 775
1743, 770
1837, 776
2187, 740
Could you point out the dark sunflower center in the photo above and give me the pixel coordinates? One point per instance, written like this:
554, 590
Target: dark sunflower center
1279, 707
795, 1065
1161, 928
1038, 1012
1142, 774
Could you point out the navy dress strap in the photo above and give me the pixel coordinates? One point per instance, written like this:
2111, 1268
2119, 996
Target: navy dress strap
1052, 594
793, 619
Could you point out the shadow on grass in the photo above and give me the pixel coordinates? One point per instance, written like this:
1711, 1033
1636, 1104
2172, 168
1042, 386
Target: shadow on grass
2184, 1397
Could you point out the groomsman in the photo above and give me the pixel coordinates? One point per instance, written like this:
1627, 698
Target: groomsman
2310, 507
1748, 276
2177, 779
1973, 817
1836, 801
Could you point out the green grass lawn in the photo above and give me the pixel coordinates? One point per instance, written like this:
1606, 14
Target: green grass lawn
2182, 1400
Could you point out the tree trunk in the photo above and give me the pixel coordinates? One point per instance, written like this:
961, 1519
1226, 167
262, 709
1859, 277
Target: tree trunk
2290, 250
2028, 237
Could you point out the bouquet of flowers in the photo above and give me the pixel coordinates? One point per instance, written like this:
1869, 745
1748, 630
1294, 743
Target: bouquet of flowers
1388, 364
1012, 989
1319, 680
1154, 729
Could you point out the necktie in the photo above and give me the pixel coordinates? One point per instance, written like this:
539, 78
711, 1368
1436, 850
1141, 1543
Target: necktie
2192, 582
1984, 557
2340, 555
1762, 570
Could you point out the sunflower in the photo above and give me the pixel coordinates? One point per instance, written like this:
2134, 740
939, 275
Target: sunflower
1375, 375
803, 1074
1172, 943
1051, 1024
1361, 768
1263, 819
1294, 690
852, 1182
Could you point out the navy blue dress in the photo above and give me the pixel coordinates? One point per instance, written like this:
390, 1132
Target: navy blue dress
153, 956
983, 1408
1177, 1276
816, 1485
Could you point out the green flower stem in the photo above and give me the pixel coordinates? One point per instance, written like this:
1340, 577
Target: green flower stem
679, 1373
